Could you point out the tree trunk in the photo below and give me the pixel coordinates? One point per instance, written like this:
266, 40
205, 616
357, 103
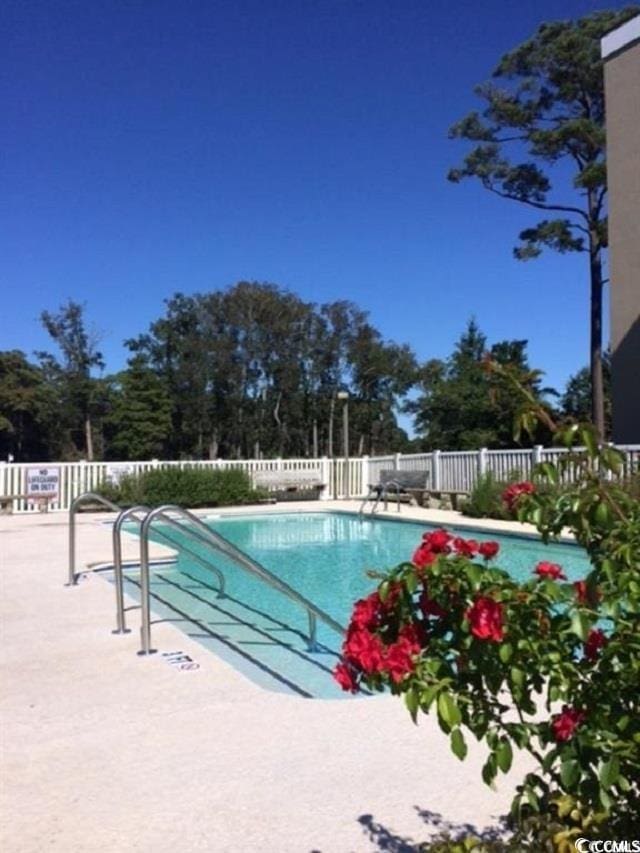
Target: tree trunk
88, 433
597, 386
332, 407
213, 446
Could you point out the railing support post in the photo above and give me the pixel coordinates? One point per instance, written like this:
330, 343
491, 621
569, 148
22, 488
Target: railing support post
117, 566
482, 462
72, 579
313, 632
145, 597
437, 473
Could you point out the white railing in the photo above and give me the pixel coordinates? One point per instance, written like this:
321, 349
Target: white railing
56, 484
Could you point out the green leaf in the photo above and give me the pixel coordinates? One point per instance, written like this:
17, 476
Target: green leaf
383, 590
609, 772
474, 573
427, 696
603, 513
567, 436
549, 470
517, 676
504, 755
448, 710
605, 799
569, 772
411, 701
411, 582
505, 652
489, 770
589, 439
458, 745
580, 625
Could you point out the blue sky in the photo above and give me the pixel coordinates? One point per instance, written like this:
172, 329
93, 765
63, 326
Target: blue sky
154, 147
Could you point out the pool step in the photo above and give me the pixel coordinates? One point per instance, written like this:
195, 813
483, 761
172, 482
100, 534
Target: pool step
267, 650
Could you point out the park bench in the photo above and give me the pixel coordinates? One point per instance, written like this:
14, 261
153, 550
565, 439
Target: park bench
290, 485
403, 485
6, 502
408, 485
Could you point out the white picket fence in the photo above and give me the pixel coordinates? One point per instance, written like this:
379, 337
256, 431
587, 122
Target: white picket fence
342, 478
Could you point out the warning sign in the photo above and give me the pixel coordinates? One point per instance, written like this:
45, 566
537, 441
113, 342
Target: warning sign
114, 473
43, 482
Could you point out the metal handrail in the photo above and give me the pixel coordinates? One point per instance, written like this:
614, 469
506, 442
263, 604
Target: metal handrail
381, 490
117, 563
223, 545
117, 559
77, 502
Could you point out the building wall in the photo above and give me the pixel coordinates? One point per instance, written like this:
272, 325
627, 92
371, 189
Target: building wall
622, 93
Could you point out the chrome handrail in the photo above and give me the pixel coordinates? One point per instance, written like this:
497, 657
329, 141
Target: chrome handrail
381, 491
398, 487
77, 502
117, 563
222, 545
117, 559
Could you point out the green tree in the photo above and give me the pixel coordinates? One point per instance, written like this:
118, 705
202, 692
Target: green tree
140, 419
461, 406
548, 110
576, 400
254, 371
72, 374
27, 410
381, 373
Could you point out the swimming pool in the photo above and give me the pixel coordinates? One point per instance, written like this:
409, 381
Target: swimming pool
323, 555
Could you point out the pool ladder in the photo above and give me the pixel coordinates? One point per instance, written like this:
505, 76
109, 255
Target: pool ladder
186, 522
378, 493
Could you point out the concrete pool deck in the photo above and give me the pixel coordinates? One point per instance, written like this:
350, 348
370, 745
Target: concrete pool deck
103, 750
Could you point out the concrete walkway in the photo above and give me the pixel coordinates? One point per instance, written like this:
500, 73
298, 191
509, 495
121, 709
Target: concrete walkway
103, 750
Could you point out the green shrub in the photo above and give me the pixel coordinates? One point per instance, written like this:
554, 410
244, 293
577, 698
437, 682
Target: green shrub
188, 487
485, 500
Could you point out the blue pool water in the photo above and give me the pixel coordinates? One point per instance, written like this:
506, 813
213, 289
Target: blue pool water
324, 556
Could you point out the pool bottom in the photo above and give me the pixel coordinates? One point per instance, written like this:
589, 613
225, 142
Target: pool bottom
268, 651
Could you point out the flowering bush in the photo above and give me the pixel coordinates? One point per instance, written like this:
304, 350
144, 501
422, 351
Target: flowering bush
547, 666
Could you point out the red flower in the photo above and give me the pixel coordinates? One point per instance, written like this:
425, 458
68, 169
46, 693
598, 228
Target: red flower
486, 619
545, 569
515, 491
423, 556
366, 612
488, 550
399, 658
430, 607
345, 675
438, 541
465, 547
564, 725
364, 650
584, 595
415, 634
596, 640
581, 591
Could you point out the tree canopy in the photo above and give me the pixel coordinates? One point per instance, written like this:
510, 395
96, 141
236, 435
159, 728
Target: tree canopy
254, 371
540, 141
461, 406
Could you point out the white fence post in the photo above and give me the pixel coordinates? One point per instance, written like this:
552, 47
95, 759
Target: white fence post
437, 472
327, 479
364, 463
536, 456
396, 461
482, 462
